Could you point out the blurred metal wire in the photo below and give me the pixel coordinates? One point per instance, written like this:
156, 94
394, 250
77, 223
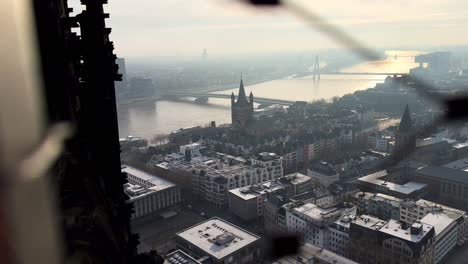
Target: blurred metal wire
455, 109
333, 32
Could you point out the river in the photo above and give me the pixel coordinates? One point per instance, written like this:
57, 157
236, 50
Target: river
162, 117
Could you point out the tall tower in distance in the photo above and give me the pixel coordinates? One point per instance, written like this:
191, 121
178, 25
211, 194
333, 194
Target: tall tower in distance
242, 109
405, 140
204, 54
316, 70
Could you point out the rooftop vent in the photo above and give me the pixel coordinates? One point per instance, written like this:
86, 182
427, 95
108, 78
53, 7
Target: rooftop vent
224, 239
416, 228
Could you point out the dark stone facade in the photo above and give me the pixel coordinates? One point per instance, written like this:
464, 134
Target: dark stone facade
242, 109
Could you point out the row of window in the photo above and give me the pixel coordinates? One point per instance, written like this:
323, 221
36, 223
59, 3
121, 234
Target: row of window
455, 189
156, 201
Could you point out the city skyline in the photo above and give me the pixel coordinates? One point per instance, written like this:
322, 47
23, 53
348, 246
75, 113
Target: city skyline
175, 28
311, 157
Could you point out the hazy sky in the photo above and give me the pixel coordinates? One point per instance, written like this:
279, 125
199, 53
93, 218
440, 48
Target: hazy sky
185, 27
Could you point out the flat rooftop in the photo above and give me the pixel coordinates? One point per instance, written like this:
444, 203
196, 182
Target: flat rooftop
369, 222
314, 193
252, 191
461, 164
244, 193
413, 164
444, 173
393, 228
297, 178
163, 165
217, 237
460, 145
319, 214
191, 145
267, 156
406, 188
323, 168
387, 198
175, 156
452, 212
226, 171
439, 221
345, 220
159, 184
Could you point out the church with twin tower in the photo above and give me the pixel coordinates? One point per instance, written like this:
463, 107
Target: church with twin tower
242, 110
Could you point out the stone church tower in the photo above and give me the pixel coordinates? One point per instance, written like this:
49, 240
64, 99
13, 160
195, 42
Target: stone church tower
405, 140
242, 110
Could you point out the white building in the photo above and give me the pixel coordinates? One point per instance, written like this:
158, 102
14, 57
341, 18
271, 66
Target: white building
346, 136
377, 204
298, 183
174, 157
218, 241
190, 151
372, 240
446, 230
412, 211
451, 225
381, 144
289, 160
338, 241
150, 194
375, 182
247, 202
266, 166
323, 174
379, 141
311, 222
213, 183
366, 115
318, 196
268, 111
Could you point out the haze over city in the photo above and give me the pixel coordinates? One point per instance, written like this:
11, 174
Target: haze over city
219, 132
184, 28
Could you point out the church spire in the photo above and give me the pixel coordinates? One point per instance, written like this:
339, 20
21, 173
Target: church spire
242, 97
406, 125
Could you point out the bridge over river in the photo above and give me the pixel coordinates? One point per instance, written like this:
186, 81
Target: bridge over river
260, 100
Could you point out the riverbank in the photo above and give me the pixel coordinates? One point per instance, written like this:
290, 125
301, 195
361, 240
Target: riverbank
145, 118
127, 101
